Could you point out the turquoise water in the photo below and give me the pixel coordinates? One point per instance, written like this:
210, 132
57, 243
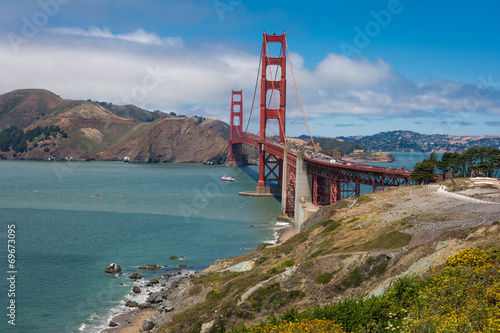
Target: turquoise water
405, 160
72, 219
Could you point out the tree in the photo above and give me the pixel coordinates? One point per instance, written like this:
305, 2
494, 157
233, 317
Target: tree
424, 171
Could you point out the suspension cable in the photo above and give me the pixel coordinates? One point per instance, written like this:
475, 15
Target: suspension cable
300, 100
255, 90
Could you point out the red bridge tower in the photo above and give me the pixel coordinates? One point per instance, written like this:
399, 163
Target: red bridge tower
270, 167
236, 128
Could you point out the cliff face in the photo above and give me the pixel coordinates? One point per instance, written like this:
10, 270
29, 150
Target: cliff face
172, 140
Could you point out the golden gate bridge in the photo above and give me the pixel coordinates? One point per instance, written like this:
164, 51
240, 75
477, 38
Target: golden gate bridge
303, 176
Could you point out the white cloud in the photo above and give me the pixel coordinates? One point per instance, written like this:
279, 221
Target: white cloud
154, 72
138, 36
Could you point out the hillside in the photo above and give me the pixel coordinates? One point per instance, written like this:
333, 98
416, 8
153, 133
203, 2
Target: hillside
351, 248
174, 140
408, 141
22, 107
49, 127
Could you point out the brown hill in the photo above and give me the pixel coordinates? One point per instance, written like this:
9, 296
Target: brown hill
91, 130
173, 140
22, 107
133, 112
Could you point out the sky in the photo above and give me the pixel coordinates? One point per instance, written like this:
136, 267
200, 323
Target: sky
361, 67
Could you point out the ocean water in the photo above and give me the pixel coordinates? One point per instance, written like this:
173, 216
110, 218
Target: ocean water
72, 219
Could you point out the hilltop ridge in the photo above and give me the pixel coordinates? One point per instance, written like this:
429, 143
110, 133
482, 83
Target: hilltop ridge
408, 141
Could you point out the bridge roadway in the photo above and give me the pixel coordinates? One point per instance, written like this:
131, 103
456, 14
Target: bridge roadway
307, 176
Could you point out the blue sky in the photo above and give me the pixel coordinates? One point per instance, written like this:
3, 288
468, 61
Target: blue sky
362, 67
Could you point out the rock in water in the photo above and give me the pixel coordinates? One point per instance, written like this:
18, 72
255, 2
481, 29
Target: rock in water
113, 268
174, 258
136, 290
135, 276
147, 325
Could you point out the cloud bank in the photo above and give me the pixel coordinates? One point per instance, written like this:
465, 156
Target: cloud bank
163, 73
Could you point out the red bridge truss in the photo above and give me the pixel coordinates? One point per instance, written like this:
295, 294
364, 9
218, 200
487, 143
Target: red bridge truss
329, 180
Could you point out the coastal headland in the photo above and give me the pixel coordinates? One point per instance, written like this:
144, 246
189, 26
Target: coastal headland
354, 247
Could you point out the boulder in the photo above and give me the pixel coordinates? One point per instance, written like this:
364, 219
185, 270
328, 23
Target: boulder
132, 304
166, 309
154, 281
113, 268
135, 276
142, 267
147, 325
152, 267
112, 324
174, 258
136, 290
182, 266
157, 297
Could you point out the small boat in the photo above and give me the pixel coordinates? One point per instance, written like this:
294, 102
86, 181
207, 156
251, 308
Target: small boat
227, 179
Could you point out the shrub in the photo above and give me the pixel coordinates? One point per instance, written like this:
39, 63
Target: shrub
323, 278
354, 279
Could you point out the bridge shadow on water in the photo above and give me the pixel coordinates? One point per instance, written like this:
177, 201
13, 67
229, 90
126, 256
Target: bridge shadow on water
253, 172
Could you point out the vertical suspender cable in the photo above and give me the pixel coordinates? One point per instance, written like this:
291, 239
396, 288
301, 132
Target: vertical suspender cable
300, 101
255, 90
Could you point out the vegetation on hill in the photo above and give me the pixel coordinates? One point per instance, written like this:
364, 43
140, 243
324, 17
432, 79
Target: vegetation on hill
408, 141
19, 141
328, 145
473, 162
462, 295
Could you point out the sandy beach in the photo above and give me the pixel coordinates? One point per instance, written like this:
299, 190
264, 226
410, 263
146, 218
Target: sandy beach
130, 322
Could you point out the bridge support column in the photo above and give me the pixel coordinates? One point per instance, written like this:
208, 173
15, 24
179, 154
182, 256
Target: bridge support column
302, 190
284, 183
261, 184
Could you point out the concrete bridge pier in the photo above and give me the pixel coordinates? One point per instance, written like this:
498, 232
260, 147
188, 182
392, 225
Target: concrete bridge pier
303, 183
285, 180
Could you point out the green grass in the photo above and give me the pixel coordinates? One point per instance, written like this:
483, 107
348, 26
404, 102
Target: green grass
393, 240
323, 278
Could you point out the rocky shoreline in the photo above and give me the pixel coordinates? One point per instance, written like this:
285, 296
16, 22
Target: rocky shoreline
139, 316
149, 315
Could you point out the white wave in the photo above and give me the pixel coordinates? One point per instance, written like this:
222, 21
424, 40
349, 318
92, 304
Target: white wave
98, 323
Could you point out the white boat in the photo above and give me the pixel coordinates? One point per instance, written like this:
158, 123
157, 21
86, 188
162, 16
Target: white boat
227, 179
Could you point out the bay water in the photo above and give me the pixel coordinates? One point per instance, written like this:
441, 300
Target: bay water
72, 219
